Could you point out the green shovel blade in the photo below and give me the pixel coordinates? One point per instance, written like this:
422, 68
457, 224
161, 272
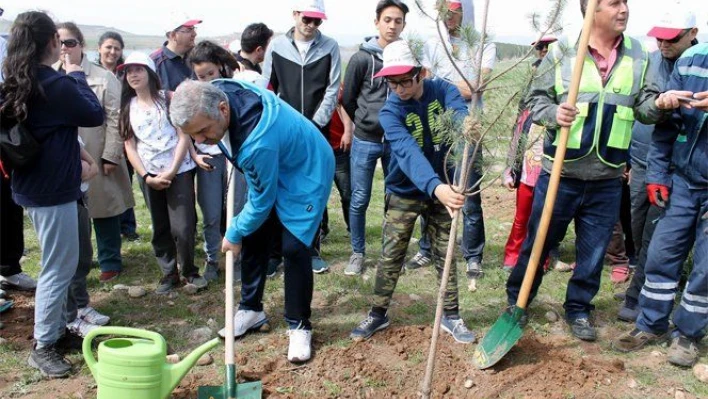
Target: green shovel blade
499, 340
249, 390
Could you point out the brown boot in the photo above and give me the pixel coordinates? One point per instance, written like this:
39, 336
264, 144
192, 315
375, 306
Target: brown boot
635, 340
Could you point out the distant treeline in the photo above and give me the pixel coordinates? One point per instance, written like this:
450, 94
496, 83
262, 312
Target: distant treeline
506, 51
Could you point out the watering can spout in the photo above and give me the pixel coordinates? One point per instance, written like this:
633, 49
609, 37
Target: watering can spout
173, 373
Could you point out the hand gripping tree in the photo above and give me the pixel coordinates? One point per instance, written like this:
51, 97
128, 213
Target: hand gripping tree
480, 131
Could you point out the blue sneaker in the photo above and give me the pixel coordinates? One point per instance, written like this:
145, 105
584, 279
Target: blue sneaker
319, 265
369, 326
456, 327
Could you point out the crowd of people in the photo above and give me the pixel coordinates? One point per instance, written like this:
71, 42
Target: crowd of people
277, 109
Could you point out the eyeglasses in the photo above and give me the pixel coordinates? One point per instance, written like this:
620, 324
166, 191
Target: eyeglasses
186, 29
676, 39
310, 20
405, 83
541, 46
70, 43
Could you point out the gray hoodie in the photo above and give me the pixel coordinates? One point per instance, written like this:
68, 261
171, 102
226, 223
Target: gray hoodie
363, 94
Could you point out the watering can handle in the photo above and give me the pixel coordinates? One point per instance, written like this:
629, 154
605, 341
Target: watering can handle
125, 331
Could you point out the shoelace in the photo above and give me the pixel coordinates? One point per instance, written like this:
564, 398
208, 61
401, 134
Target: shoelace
459, 325
52, 355
583, 321
367, 322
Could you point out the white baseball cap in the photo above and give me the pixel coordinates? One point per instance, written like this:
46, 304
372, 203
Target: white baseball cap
675, 21
311, 8
398, 59
175, 20
138, 58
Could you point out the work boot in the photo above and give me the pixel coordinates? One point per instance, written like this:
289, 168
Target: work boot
455, 326
70, 342
635, 340
582, 329
247, 320
198, 281
49, 362
418, 261
300, 346
369, 326
20, 281
356, 265
683, 351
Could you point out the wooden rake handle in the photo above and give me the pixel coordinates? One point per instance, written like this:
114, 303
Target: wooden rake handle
229, 311
552, 192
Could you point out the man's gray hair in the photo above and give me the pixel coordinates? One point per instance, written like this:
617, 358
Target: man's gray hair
193, 98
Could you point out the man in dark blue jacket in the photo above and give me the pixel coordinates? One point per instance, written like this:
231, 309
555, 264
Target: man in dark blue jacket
674, 35
171, 59
414, 185
681, 142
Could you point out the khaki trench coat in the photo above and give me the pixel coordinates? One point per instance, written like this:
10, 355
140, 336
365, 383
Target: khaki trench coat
111, 195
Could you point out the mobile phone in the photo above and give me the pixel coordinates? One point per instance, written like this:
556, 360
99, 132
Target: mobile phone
211, 162
685, 99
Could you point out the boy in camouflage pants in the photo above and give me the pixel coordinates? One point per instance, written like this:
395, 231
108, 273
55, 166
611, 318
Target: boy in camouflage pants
414, 185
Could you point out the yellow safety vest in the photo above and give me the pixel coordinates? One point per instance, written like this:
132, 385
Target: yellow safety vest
604, 124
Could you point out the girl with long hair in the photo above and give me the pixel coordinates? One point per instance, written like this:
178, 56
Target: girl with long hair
159, 155
51, 106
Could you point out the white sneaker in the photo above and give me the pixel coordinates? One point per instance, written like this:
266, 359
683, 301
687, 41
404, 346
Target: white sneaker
20, 281
300, 348
246, 320
91, 315
81, 327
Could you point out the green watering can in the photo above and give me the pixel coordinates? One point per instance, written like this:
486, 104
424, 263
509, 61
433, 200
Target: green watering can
135, 367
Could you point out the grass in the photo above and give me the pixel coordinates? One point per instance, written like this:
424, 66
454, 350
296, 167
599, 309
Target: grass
340, 301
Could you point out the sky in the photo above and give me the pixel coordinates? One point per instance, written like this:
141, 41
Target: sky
348, 20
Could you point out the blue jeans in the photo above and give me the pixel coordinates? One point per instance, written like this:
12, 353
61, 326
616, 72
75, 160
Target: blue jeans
78, 296
364, 155
57, 229
594, 205
108, 243
678, 229
473, 238
210, 196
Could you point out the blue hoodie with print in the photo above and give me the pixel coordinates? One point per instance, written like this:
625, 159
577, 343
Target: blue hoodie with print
417, 151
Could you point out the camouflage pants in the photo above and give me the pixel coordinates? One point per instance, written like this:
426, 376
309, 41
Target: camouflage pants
399, 220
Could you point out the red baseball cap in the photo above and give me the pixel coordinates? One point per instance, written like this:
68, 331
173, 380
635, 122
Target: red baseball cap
546, 39
673, 23
454, 5
397, 59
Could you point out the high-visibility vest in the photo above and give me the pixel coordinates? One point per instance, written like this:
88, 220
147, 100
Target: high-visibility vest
604, 125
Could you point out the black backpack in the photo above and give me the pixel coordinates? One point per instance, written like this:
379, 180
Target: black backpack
18, 147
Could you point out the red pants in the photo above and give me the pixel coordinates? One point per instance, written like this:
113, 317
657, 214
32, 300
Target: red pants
524, 201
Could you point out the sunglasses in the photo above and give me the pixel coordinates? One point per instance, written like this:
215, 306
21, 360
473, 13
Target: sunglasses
676, 39
541, 47
70, 43
405, 83
310, 20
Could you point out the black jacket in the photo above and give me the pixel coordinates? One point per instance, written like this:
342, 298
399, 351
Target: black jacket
364, 95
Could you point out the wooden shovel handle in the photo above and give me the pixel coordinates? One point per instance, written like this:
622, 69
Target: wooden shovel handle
229, 311
540, 239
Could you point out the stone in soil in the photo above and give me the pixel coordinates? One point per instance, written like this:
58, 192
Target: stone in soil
552, 316
469, 384
190, 289
172, 359
201, 335
205, 360
136, 292
700, 371
120, 287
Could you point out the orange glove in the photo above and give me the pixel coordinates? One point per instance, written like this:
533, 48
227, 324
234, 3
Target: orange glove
658, 194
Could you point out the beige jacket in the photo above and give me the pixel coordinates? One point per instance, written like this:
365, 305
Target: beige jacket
110, 195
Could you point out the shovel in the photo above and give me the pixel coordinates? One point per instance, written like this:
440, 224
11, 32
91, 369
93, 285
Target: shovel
507, 330
231, 390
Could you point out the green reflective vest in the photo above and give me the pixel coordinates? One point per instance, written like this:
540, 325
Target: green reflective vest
604, 125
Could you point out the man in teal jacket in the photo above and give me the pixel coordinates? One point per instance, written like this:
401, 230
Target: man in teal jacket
289, 168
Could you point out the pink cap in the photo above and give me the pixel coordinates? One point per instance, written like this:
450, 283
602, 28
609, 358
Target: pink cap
397, 59
546, 39
312, 9
454, 5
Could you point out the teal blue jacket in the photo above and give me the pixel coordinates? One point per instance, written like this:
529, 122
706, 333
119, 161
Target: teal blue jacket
287, 163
